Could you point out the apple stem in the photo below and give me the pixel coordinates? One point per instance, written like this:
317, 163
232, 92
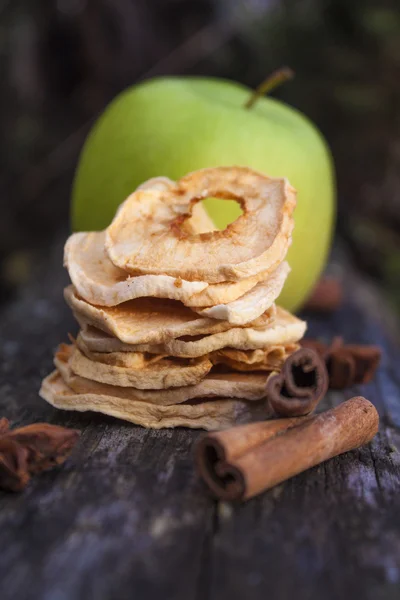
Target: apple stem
271, 82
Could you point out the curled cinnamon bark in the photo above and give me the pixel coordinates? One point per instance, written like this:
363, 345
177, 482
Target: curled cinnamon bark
300, 385
218, 454
31, 449
347, 364
241, 462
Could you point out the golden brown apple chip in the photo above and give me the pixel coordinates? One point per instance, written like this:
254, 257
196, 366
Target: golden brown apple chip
147, 236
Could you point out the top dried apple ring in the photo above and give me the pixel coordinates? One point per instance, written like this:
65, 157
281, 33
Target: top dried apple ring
147, 235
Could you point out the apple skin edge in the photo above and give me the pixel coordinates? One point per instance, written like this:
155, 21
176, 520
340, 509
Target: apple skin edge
172, 126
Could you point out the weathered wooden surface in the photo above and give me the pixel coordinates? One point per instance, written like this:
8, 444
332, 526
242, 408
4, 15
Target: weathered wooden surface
126, 517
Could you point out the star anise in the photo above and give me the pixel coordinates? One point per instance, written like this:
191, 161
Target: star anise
347, 364
32, 449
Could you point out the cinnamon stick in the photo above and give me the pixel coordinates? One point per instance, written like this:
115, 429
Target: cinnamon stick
300, 385
241, 462
347, 364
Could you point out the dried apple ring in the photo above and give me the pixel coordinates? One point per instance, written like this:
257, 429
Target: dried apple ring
148, 236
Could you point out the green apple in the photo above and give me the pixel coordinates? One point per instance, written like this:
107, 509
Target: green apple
171, 126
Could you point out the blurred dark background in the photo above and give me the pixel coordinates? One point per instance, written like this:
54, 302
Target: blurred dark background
63, 60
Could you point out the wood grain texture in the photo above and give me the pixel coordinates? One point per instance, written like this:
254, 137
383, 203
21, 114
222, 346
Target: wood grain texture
127, 517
